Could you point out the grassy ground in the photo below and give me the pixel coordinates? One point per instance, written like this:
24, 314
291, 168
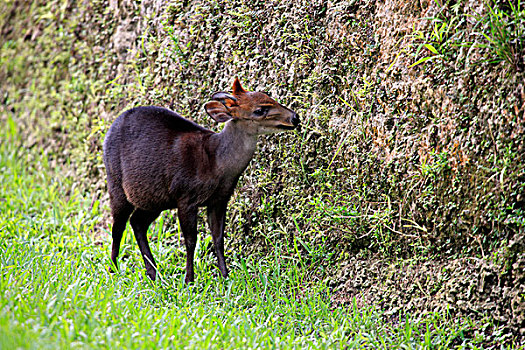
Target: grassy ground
55, 290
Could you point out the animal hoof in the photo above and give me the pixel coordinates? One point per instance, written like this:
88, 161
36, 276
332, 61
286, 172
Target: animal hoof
152, 275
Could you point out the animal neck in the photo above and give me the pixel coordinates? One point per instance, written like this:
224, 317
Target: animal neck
235, 148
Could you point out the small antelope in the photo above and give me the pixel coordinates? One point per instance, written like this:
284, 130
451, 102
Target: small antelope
157, 160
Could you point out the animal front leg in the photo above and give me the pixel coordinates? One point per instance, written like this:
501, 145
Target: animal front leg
188, 224
216, 221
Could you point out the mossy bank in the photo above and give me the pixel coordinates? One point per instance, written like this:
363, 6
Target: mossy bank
409, 170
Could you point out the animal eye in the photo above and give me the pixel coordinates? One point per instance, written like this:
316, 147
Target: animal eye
260, 112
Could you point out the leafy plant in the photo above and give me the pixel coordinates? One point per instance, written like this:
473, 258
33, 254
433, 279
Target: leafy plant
443, 37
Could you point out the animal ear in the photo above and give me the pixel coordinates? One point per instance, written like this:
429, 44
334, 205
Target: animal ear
225, 98
237, 88
218, 111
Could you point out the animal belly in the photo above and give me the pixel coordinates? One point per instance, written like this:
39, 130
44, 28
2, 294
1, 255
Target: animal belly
147, 197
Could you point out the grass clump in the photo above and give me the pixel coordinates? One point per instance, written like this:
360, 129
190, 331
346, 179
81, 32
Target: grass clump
504, 31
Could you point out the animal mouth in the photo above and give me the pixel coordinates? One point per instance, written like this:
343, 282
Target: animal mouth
286, 127
294, 123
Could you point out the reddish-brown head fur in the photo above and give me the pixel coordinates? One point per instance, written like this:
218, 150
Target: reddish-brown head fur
269, 116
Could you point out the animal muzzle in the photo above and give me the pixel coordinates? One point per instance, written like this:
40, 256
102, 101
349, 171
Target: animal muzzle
295, 120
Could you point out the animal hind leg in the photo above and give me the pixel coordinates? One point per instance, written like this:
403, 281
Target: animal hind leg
140, 221
120, 210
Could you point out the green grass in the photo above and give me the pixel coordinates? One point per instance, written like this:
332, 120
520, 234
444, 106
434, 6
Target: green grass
55, 291
504, 32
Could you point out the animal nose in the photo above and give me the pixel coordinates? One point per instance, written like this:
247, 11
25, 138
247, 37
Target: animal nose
295, 120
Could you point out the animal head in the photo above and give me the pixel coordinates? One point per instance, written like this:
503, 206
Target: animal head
257, 111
